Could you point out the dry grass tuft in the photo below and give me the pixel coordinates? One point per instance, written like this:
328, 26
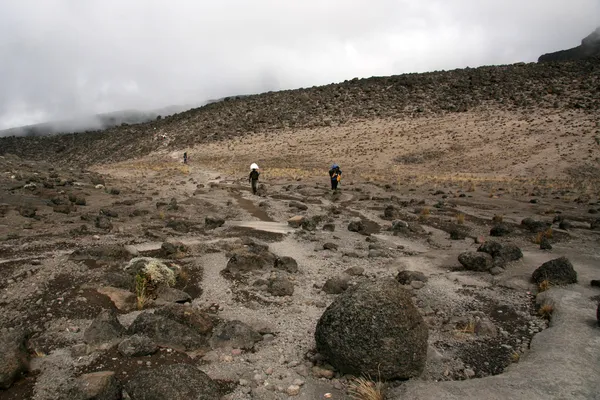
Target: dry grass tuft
546, 310
366, 389
141, 291
541, 235
515, 357
460, 218
544, 285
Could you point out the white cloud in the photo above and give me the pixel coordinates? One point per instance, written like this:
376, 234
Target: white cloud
68, 57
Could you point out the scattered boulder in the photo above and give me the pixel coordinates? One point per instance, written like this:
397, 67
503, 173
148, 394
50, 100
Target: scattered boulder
123, 300
336, 285
180, 225
559, 271
234, 334
280, 286
298, 205
104, 329
458, 233
329, 227
374, 253
172, 247
245, 260
111, 252
137, 346
545, 244
63, 209
354, 271
356, 225
497, 270
510, 252
166, 295
500, 230
173, 382
103, 222
287, 264
390, 212
485, 327
534, 225
212, 222
476, 261
392, 340
167, 333
13, 357
101, 385
565, 225
330, 246
309, 224
406, 277
189, 316
27, 211
296, 221
490, 247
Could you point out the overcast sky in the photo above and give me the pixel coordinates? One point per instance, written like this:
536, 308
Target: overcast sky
63, 58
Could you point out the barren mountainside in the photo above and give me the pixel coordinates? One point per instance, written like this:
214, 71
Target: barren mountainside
565, 85
590, 47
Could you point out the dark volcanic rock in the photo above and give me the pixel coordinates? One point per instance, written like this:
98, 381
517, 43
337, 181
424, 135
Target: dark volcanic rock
500, 230
545, 244
13, 357
287, 264
101, 385
137, 346
559, 271
167, 333
391, 342
212, 222
189, 316
330, 246
243, 260
534, 225
234, 334
356, 225
336, 285
406, 277
476, 261
510, 252
172, 382
280, 286
103, 223
590, 47
491, 247
104, 329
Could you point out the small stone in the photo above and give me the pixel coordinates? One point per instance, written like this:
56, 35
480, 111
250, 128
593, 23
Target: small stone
496, 270
298, 382
417, 284
319, 372
469, 373
293, 390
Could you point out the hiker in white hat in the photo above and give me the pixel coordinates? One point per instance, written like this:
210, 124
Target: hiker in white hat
254, 177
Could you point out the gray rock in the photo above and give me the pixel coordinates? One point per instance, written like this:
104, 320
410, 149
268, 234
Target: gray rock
356, 225
476, 261
287, 264
559, 271
485, 327
280, 286
104, 329
172, 247
355, 271
510, 252
103, 222
234, 334
377, 253
545, 244
491, 247
298, 205
329, 227
13, 357
100, 385
500, 230
406, 277
167, 333
535, 226
137, 346
212, 222
245, 260
172, 295
190, 316
336, 285
496, 270
330, 246
417, 284
172, 382
391, 342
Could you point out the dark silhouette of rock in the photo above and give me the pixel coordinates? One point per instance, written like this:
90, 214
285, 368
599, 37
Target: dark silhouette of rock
105, 328
559, 271
137, 346
13, 357
476, 261
406, 277
374, 329
189, 316
336, 285
356, 225
590, 47
534, 225
212, 222
280, 286
500, 230
287, 264
172, 382
167, 333
234, 334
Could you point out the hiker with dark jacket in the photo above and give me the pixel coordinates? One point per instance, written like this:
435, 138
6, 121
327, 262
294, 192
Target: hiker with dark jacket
336, 175
253, 178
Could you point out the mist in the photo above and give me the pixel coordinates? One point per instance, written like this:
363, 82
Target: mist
69, 59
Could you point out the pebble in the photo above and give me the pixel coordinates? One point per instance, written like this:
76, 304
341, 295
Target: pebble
298, 382
269, 371
417, 284
236, 352
322, 372
469, 373
244, 382
293, 390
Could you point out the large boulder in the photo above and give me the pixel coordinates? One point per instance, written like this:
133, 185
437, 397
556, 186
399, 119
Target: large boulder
534, 225
374, 329
246, 260
172, 382
13, 357
189, 316
491, 247
101, 385
137, 346
234, 334
500, 230
104, 329
559, 271
168, 333
476, 261
510, 252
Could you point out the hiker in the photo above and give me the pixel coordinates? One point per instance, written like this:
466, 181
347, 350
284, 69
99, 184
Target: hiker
185, 157
254, 177
336, 175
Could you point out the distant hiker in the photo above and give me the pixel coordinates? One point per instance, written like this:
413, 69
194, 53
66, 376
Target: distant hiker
185, 157
336, 176
254, 177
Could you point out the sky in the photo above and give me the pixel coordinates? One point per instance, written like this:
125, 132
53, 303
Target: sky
69, 58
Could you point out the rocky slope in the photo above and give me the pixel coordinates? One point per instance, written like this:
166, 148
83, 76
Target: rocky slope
567, 85
590, 47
